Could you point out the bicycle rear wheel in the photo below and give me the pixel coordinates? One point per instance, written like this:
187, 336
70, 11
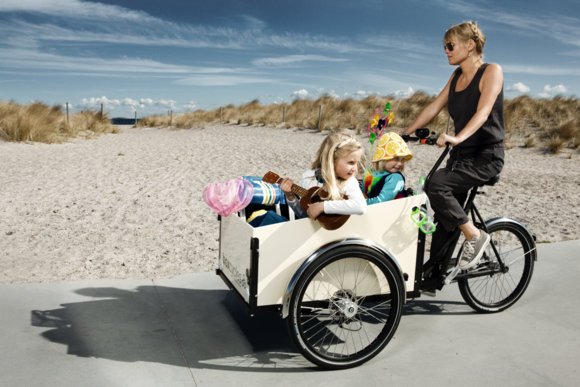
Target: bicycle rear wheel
497, 289
346, 307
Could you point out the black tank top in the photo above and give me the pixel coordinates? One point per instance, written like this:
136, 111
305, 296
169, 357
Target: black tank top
462, 105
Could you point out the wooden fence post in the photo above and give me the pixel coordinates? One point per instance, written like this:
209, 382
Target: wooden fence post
319, 115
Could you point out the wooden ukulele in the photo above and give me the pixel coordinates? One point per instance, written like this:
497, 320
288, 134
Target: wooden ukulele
308, 196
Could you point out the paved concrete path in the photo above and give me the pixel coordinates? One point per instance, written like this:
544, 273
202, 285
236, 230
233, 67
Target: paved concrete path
192, 331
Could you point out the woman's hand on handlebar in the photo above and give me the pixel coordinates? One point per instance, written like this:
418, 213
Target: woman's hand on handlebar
445, 139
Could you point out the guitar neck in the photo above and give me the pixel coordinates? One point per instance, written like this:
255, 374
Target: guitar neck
329, 222
271, 177
296, 189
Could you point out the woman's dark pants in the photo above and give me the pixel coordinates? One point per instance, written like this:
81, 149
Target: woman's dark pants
448, 187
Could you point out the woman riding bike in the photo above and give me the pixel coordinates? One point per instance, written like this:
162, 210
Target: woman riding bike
474, 98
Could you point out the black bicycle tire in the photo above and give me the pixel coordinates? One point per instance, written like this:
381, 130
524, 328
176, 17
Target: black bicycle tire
467, 285
297, 334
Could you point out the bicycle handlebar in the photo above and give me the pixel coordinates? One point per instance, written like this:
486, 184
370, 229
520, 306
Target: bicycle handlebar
426, 136
422, 135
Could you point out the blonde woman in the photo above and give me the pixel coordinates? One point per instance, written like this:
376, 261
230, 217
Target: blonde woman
473, 96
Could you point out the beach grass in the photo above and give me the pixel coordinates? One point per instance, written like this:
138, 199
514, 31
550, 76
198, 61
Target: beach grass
38, 122
551, 124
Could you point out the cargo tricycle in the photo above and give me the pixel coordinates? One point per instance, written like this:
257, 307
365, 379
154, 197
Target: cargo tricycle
342, 291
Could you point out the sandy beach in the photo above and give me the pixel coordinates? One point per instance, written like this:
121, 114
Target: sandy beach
129, 205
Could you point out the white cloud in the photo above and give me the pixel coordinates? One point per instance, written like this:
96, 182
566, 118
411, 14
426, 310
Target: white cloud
385, 84
405, 44
130, 102
404, 93
113, 104
328, 92
306, 41
221, 80
551, 91
97, 101
400, 93
119, 25
518, 87
292, 59
166, 103
146, 101
32, 59
111, 31
191, 105
362, 94
560, 27
300, 94
75, 9
541, 70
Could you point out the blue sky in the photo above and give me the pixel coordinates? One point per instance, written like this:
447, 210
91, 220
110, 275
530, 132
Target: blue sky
153, 56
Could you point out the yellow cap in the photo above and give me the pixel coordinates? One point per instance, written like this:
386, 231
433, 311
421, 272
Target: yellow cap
391, 145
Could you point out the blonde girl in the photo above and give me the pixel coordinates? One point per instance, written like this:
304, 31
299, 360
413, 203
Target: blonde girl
334, 169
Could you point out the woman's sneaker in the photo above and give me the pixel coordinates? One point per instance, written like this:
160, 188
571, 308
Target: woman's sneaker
473, 250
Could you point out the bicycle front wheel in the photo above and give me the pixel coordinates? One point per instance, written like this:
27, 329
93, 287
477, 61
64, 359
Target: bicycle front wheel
346, 307
498, 288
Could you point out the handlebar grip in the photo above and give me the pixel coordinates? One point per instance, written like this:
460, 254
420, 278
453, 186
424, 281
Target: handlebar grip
423, 135
423, 132
428, 138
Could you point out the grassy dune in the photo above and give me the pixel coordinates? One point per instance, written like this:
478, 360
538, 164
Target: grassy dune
552, 124
41, 123
549, 123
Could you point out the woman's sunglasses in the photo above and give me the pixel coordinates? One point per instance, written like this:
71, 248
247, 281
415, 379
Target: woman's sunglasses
449, 46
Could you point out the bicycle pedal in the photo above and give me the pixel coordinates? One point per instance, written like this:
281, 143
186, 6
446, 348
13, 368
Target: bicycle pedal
451, 276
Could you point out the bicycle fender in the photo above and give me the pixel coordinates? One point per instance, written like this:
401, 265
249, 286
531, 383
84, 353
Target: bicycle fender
325, 249
531, 237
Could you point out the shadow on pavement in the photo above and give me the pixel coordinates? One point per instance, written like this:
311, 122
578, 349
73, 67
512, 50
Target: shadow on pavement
185, 327
181, 327
436, 307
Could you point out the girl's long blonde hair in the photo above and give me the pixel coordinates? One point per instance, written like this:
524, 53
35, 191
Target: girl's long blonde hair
334, 146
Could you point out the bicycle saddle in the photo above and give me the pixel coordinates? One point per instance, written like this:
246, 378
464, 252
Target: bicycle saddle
492, 181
